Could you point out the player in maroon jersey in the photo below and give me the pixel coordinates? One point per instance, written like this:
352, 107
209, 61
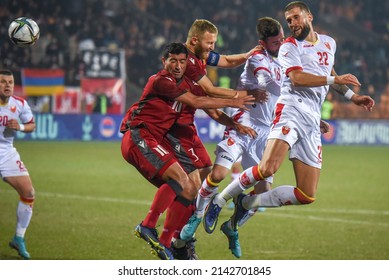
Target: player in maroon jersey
145, 125
200, 43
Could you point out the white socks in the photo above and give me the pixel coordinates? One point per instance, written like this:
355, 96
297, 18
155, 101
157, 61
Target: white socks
23, 214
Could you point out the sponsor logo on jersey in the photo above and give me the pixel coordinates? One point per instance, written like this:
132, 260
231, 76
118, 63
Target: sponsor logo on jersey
285, 129
191, 59
13, 109
285, 54
230, 142
327, 45
170, 79
308, 45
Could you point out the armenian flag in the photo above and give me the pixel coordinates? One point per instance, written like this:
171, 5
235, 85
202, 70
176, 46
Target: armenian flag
37, 82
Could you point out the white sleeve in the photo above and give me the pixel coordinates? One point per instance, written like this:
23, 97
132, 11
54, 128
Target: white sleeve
26, 114
262, 71
289, 57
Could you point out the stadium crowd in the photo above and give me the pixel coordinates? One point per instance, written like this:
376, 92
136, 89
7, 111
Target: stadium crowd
142, 27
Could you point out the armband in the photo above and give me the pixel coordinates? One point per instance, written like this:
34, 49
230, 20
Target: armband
330, 80
21, 127
349, 94
213, 59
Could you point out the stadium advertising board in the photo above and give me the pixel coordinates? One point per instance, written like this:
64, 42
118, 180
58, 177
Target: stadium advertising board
342, 132
58, 127
106, 128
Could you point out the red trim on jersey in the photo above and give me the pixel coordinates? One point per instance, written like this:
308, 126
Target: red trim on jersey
261, 68
292, 69
31, 121
278, 112
237, 116
290, 40
259, 52
19, 99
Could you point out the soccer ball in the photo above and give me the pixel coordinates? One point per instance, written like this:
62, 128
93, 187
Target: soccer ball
23, 32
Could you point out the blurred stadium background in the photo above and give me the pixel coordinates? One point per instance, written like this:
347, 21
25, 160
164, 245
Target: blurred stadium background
92, 60
139, 28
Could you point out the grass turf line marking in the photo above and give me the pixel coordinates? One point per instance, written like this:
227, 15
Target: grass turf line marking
281, 215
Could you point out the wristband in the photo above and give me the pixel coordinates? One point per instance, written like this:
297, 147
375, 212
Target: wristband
330, 80
349, 94
21, 127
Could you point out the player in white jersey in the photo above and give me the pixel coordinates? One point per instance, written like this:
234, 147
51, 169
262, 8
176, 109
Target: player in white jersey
15, 115
307, 60
261, 72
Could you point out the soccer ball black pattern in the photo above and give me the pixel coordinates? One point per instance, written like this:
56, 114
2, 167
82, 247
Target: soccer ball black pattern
23, 32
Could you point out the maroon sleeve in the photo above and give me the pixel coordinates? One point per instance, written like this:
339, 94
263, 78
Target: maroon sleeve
195, 70
167, 86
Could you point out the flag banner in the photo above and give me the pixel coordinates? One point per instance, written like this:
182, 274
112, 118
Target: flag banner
103, 96
38, 82
67, 103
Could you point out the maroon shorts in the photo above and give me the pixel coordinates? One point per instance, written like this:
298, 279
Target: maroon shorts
149, 157
188, 148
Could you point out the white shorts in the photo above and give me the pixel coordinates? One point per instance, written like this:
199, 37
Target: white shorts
11, 165
237, 146
302, 132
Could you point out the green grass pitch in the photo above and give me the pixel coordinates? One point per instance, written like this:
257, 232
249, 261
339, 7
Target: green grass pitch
89, 200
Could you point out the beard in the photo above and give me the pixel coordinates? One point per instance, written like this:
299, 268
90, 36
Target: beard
303, 34
274, 54
199, 52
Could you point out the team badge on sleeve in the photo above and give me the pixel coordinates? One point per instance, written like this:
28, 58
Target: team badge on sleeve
285, 129
230, 142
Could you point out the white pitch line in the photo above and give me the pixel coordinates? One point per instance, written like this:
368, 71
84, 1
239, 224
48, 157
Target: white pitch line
334, 220
271, 213
341, 211
91, 198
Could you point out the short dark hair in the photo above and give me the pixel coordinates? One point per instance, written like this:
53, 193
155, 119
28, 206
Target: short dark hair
268, 27
299, 4
6, 72
174, 48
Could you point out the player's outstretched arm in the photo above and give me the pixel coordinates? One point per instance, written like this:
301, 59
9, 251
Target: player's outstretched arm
234, 60
364, 101
222, 118
219, 92
15, 125
205, 102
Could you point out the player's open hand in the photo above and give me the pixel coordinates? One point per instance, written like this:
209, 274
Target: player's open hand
364, 101
324, 127
257, 48
261, 96
245, 130
242, 102
347, 79
13, 124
